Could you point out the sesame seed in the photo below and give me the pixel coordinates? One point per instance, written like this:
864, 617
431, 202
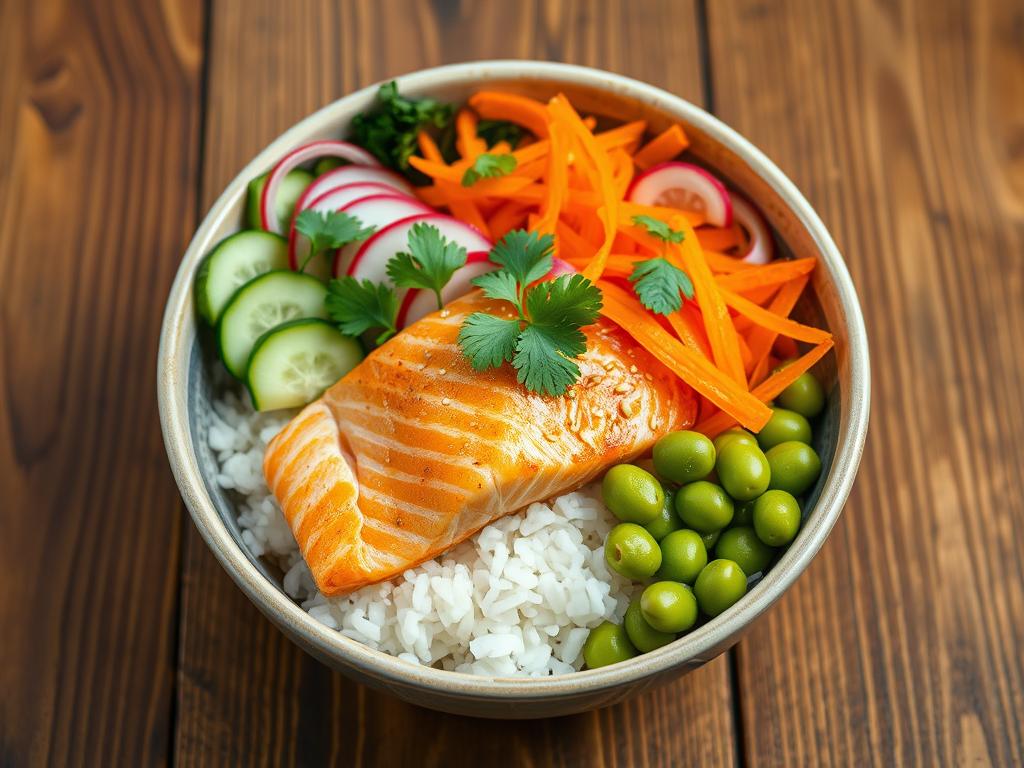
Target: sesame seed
609, 366
626, 408
445, 313
632, 369
571, 393
426, 354
443, 371
623, 388
446, 401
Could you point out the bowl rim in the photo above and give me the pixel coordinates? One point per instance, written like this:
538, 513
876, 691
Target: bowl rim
178, 332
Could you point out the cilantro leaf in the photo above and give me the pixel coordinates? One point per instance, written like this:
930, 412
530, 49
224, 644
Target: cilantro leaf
488, 166
389, 131
568, 300
430, 263
542, 358
493, 131
327, 230
658, 228
658, 283
358, 306
499, 285
488, 341
524, 255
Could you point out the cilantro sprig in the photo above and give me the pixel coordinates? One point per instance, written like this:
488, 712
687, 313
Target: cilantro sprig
488, 166
390, 130
357, 306
328, 230
546, 336
657, 282
430, 262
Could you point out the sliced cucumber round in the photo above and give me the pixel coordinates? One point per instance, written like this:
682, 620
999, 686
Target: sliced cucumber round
265, 302
233, 262
288, 193
294, 363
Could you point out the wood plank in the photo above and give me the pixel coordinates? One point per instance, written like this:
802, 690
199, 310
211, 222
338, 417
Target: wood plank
246, 693
902, 123
99, 116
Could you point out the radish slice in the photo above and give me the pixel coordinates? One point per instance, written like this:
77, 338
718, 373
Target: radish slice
418, 303
559, 267
295, 158
331, 200
372, 259
686, 187
377, 211
762, 247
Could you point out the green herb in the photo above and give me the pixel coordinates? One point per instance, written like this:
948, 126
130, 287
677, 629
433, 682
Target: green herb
543, 341
359, 306
488, 166
658, 228
494, 131
658, 283
430, 262
389, 132
329, 230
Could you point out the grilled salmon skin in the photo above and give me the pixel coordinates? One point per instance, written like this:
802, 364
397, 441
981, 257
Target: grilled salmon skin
413, 451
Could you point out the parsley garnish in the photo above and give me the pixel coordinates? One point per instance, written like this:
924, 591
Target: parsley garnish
494, 131
389, 132
657, 284
658, 228
546, 337
488, 166
430, 263
358, 306
329, 230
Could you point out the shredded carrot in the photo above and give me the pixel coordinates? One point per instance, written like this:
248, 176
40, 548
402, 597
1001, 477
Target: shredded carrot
509, 216
769, 275
529, 113
428, 147
688, 328
664, 147
467, 143
557, 179
762, 339
689, 365
720, 262
767, 390
717, 239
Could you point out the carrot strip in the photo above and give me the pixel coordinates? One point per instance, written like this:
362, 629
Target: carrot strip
762, 317
689, 330
769, 275
428, 147
689, 365
529, 113
717, 238
508, 216
720, 262
557, 180
467, 143
767, 390
725, 348
622, 171
573, 247
663, 148
632, 209
762, 339
469, 213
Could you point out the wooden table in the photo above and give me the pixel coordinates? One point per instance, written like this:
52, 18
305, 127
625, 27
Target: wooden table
123, 642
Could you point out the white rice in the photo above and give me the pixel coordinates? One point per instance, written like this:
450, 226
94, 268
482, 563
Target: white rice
517, 599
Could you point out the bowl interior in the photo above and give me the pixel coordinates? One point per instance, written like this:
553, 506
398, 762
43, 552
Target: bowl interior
798, 232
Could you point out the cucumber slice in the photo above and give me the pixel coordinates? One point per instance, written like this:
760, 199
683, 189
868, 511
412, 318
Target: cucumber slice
325, 164
263, 303
294, 363
232, 263
292, 186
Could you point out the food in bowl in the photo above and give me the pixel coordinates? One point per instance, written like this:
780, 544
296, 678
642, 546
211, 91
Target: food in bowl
480, 312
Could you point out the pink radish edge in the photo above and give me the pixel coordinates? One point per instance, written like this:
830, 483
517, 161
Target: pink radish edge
459, 285
762, 248
686, 181
295, 158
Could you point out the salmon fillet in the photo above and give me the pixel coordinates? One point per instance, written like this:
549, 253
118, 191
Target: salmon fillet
413, 451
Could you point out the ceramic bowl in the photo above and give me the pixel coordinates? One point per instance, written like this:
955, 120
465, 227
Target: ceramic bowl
188, 373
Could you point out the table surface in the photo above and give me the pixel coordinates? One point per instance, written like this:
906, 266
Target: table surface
124, 642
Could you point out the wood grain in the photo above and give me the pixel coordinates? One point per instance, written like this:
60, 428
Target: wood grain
246, 694
903, 123
99, 106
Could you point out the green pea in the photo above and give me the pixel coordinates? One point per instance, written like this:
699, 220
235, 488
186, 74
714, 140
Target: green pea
736, 434
719, 586
607, 644
776, 518
794, 467
669, 606
684, 456
667, 520
743, 547
632, 551
743, 471
632, 495
710, 539
782, 426
642, 635
744, 514
704, 506
805, 396
682, 556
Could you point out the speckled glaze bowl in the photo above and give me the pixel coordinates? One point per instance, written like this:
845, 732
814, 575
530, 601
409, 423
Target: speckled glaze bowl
187, 376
